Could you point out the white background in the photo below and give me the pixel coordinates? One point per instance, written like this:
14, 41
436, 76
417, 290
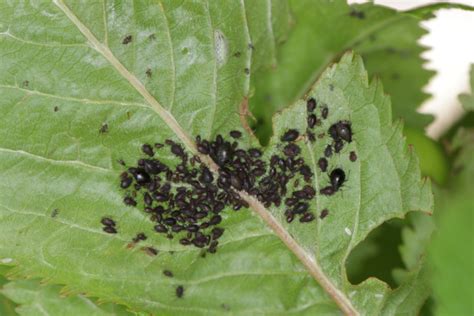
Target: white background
450, 53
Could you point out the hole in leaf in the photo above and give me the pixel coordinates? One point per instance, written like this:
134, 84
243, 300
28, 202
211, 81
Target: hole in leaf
378, 255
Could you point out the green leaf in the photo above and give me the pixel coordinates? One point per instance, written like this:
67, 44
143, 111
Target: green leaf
60, 174
344, 89
386, 39
451, 255
36, 299
7, 307
467, 100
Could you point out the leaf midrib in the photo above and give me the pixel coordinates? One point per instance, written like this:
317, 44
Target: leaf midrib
306, 258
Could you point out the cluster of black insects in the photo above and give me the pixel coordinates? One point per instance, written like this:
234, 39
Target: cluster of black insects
187, 200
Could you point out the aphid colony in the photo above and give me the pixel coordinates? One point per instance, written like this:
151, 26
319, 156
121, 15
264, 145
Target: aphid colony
187, 201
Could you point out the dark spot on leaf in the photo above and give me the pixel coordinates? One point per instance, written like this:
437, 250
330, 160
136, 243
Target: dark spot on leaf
150, 251
225, 307
179, 291
127, 39
357, 14
104, 128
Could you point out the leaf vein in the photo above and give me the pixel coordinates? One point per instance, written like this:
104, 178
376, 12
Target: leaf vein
55, 161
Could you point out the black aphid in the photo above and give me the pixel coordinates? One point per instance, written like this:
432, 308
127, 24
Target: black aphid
161, 228
235, 134
216, 219
170, 221
344, 131
161, 196
206, 175
217, 232
311, 105
141, 176
127, 39
139, 237
310, 192
290, 135
323, 164
104, 128
324, 112
306, 171
107, 221
184, 241
307, 217
338, 145
255, 153
147, 199
357, 14
56, 108
126, 182
148, 150
203, 148
333, 132
291, 150
224, 154
148, 73
150, 251
329, 190
311, 120
153, 166
177, 150
179, 291
129, 201
109, 230
353, 156
168, 273
236, 182
324, 213
337, 177
328, 151
300, 208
